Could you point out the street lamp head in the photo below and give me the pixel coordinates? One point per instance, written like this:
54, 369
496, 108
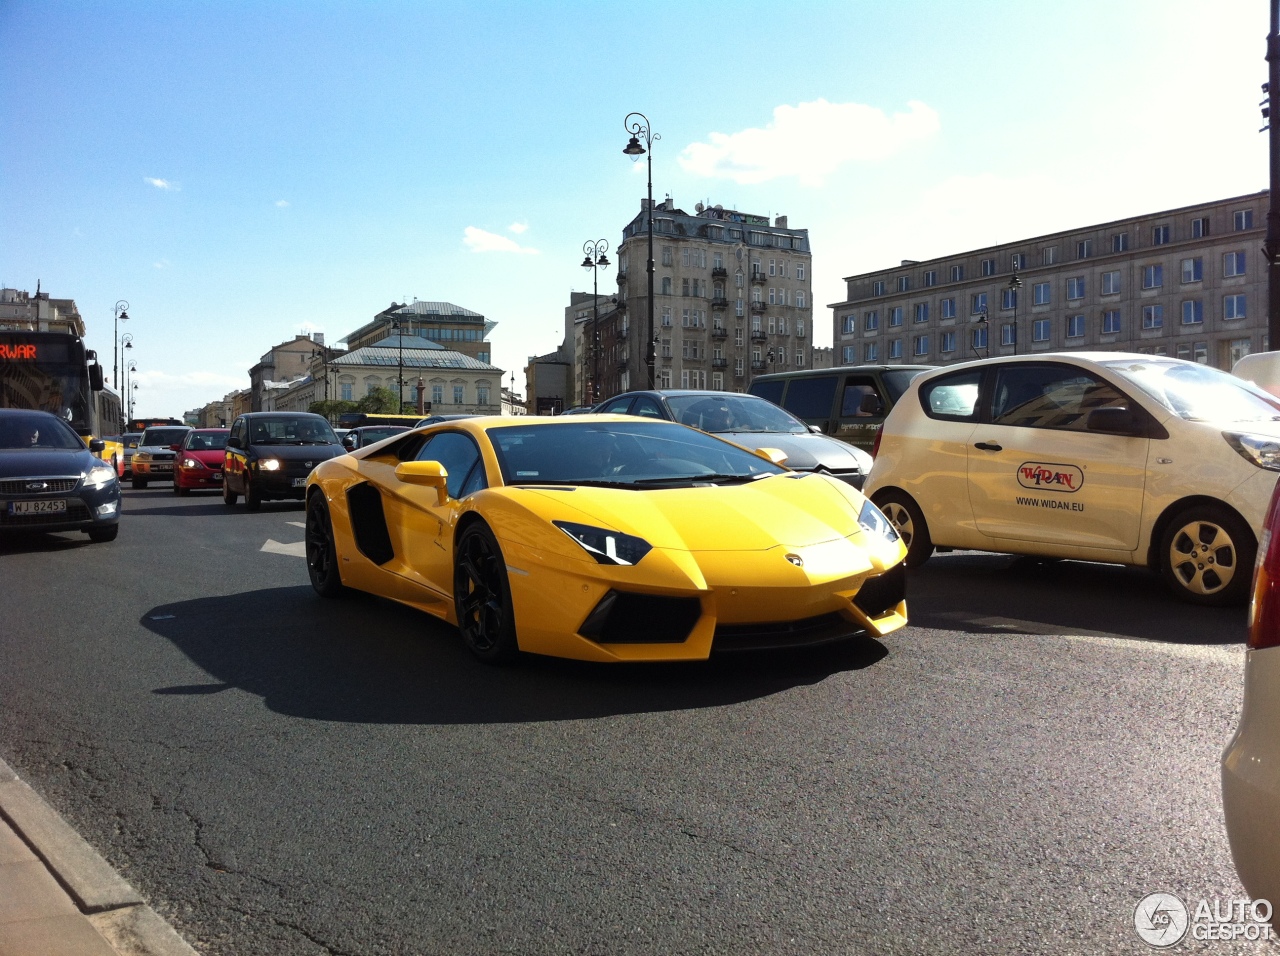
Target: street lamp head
1015, 283
124, 316
633, 148
587, 263
603, 261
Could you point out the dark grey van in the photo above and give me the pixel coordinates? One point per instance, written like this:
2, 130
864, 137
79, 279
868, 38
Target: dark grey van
849, 402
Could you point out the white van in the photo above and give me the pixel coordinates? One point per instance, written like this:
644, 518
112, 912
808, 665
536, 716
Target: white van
1261, 368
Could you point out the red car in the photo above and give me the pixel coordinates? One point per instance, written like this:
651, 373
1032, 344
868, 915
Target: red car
198, 463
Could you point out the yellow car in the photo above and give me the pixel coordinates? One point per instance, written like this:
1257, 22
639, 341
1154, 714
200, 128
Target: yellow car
603, 538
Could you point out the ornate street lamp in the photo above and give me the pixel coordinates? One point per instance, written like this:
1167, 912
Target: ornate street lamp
399, 330
595, 260
1014, 285
323, 352
132, 394
122, 315
637, 128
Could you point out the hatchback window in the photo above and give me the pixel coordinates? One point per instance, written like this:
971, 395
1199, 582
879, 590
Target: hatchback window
952, 396
1049, 396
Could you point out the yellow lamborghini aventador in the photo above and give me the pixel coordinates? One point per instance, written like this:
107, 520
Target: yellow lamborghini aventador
604, 538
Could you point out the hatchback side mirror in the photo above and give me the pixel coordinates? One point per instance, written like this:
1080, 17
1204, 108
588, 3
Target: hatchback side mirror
233, 443
1118, 419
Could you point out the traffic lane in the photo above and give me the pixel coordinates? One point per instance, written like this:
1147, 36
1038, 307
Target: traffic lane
968, 791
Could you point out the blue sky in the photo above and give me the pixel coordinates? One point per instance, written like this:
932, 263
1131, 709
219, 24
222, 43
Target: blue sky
244, 171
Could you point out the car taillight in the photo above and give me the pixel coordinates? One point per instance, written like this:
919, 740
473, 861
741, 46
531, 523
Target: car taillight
1264, 609
875, 447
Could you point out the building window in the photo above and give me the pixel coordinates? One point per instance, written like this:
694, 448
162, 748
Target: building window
877, 287
1008, 334
1075, 326
1041, 294
978, 337
849, 323
1017, 261
1199, 228
904, 283
920, 345
922, 311
979, 303
957, 273
1040, 330
437, 394
1152, 277
666, 255
988, 267
1192, 269
666, 285
849, 354
870, 321
346, 391
1243, 219
931, 278
871, 352
1153, 316
1200, 353
1008, 298
1160, 236
947, 341
666, 316
1084, 248
895, 348
799, 299
948, 308
773, 267
1192, 312
1233, 307
1233, 264
895, 316
457, 394
482, 395
799, 357
1120, 242
1111, 283
1075, 288
1111, 321
799, 270
1049, 255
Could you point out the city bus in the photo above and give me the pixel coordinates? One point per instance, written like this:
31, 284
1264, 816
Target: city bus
358, 419
54, 372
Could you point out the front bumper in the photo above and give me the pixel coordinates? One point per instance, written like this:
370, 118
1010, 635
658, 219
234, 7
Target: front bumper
85, 508
290, 482
198, 478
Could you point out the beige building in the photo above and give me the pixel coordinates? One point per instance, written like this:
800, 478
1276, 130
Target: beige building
449, 325
286, 362
1188, 283
733, 298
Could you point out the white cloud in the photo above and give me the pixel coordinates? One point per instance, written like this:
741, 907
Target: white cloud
809, 142
477, 240
282, 203
162, 184
518, 227
162, 264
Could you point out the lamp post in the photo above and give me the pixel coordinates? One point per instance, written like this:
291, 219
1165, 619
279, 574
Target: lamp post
595, 260
132, 366
1014, 285
637, 128
132, 390
122, 315
323, 352
395, 324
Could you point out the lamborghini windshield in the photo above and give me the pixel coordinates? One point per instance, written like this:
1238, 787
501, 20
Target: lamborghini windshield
620, 454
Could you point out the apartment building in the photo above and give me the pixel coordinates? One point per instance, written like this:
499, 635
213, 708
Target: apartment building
449, 325
1188, 283
733, 298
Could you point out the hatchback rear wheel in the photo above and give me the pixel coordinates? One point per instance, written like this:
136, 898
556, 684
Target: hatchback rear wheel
905, 516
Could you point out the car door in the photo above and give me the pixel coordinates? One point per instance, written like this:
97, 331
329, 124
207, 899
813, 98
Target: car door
1036, 471
234, 457
862, 409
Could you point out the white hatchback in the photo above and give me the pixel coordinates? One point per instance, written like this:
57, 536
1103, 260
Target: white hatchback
1100, 456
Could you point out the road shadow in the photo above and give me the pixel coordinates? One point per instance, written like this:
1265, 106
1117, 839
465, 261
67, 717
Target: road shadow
368, 660
186, 508
993, 593
31, 542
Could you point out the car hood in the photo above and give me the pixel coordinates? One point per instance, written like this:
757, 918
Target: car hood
781, 510
298, 452
1271, 429
805, 452
207, 456
44, 462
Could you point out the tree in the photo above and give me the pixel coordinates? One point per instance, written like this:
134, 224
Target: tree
332, 408
381, 401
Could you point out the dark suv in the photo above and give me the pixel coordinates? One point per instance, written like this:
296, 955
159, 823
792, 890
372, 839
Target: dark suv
270, 454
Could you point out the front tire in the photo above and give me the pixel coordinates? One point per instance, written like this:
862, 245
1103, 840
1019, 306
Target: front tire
108, 533
252, 500
1206, 555
907, 519
482, 597
322, 552
228, 496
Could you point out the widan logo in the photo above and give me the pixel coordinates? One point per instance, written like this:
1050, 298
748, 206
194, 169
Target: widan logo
1047, 476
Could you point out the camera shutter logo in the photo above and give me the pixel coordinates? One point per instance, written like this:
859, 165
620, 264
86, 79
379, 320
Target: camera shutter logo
1161, 919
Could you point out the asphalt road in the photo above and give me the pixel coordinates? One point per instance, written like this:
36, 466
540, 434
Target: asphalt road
284, 775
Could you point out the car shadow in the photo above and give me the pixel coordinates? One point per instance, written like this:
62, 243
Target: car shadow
994, 593
369, 660
31, 542
184, 508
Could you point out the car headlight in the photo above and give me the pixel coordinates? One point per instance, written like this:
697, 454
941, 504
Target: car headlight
873, 521
99, 476
192, 463
1257, 449
269, 464
607, 547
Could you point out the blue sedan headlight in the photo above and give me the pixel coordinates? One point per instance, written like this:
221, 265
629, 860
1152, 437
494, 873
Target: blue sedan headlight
607, 547
873, 521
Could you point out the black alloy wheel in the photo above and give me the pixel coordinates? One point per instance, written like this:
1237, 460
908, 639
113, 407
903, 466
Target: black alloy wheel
322, 552
482, 597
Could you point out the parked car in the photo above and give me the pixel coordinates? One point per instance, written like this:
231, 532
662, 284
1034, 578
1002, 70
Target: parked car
199, 460
751, 422
1251, 762
270, 454
129, 441
1101, 456
369, 434
157, 448
51, 481
603, 538
849, 402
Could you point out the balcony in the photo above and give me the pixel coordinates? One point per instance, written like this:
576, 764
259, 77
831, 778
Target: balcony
719, 302
718, 273
719, 363
622, 278
719, 332
666, 359
757, 307
757, 335
758, 366
757, 277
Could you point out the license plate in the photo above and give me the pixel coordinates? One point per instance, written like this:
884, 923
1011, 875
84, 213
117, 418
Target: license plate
159, 466
299, 482
217, 476
37, 507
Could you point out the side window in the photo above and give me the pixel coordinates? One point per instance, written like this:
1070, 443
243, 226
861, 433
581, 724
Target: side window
460, 457
646, 407
237, 430
856, 388
812, 397
1049, 396
617, 407
953, 397
769, 391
